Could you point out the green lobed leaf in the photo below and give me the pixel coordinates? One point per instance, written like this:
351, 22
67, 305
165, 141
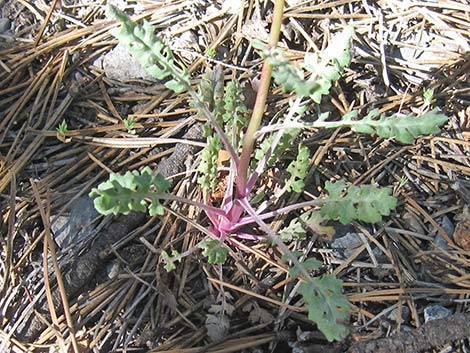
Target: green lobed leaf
308, 264
208, 166
327, 306
403, 129
211, 92
133, 191
298, 170
366, 203
324, 67
309, 220
294, 231
154, 55
288, 76
285, 142
214, 251
169, 261
235, 115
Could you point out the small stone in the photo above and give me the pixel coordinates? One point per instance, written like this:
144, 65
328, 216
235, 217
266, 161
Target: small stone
76, 225
347, 244
448, 227
462, 234
5, 24
435, 312
405, 315
112, 269
120, 65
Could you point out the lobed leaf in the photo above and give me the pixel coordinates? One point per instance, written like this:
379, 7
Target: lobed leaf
215, 253
327, 306
154, 55
366, 203
235, 116
169, 261
133, 191
294, 231
324, 67
298, 170
310, 220
308, 264
286, 141
404, 129
208, 166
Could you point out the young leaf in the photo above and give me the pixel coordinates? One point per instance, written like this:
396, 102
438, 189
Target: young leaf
324, 67
313, 220
298, 170
62, 128
208, 166
215, 253
170, 260
129, 124
309, 264
235, 116
133, 191
286, 141
211, 92
294, 231
364, 203
327, 306
154, 55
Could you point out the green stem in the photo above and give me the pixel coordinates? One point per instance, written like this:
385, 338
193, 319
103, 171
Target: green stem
260, 103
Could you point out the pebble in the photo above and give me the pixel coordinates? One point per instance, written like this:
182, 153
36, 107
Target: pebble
5, 24
448, 227
76, 226
435, 312
403, 317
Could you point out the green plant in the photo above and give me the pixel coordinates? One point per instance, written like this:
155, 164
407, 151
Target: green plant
129, 124
229, 128
428, 96
62, 129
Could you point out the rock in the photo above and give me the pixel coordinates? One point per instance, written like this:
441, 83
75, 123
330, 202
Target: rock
120, 65
462, 229
448, 227
435, 312
405, 315
347, 244
74, 227
5, 24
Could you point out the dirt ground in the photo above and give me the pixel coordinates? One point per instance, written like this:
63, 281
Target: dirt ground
72, 280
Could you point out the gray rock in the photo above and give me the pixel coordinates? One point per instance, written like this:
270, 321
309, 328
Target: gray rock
120, 65
5, 24
435, 312
347, 244
448, 227
405, 315
75, 226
